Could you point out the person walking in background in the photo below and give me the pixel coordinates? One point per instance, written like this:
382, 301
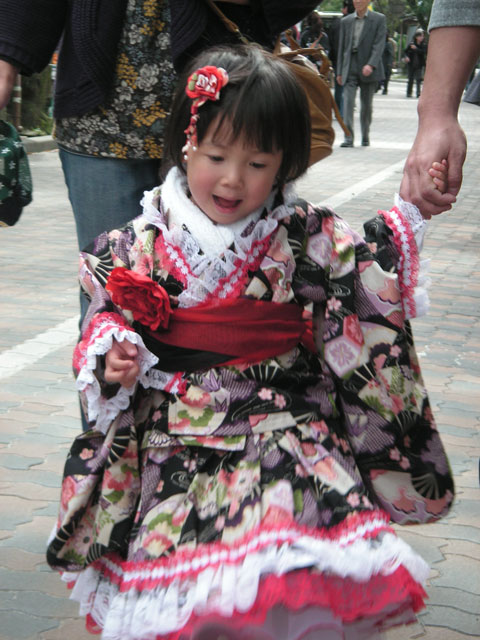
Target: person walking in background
388, 57
415, 56
362, 41
314, 34
453, 49
334, 37
472, 92
257, 409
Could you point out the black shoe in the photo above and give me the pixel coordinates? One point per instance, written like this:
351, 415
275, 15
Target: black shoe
347, 143
365, 143
384, 93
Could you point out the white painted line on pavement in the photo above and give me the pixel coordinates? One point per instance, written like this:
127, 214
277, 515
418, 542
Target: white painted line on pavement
65, 333
27, 353
356, 189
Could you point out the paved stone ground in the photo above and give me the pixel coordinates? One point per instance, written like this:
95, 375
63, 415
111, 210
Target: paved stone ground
38, 403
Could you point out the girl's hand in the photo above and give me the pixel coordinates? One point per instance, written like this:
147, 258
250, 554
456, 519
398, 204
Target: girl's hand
121, 364
438, 172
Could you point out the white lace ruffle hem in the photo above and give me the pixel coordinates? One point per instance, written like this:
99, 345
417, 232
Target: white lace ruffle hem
140, 604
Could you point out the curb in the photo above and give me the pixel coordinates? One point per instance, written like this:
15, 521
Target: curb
38, 143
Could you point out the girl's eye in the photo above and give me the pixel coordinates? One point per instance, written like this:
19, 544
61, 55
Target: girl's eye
257, 165
215, 158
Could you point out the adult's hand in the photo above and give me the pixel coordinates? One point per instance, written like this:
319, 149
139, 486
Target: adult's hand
367, 70
435, 141
452, 52
8, 75
340, 80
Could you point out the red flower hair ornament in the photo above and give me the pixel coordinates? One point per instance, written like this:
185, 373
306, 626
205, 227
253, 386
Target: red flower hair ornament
147, 301
204, 84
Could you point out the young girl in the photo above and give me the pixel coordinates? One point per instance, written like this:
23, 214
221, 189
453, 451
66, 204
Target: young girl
256, 406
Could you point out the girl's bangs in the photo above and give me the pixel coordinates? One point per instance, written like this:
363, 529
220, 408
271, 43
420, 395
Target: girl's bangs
249, 113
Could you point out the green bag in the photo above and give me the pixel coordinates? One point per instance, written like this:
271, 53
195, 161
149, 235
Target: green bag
15, 176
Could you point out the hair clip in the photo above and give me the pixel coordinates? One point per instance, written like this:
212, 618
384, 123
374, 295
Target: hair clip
203, 84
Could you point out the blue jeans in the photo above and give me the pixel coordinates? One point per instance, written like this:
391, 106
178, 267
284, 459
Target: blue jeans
105, 193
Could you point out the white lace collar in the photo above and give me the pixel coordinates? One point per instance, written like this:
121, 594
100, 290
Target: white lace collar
212, 238
210, 260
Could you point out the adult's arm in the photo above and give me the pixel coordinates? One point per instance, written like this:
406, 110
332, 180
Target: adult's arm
29, 33
378, 43
452, 52
8, 75
341, 46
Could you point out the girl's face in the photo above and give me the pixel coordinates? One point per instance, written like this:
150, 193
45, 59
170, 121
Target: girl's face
229, 180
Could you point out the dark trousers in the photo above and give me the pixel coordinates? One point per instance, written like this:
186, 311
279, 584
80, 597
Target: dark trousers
414, 75
367, 88
338, 95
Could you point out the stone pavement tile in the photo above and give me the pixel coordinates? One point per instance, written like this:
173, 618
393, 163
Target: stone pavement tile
24, 446
461, 548
444, 529
7, 406
73, 629
21, 416
28, 385
31, 536
55, 461
33, 405
456, 598
11, 460
15, 511
461, 573
5, 535
20, 625
44, 580
462, 418
20, 560
26, 490
56, 397
439, 633
451, 618
26, 613
57, 430
43, 478
469, 493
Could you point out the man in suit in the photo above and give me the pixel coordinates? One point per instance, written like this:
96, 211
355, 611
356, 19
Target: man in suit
362, 40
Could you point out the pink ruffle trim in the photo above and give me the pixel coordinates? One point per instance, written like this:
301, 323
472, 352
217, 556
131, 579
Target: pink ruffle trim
409, 264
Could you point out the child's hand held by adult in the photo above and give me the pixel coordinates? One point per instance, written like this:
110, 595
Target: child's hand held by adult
439, 174
121, 364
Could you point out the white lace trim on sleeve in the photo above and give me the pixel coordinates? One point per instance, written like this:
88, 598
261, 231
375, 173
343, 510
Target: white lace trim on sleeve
100, 409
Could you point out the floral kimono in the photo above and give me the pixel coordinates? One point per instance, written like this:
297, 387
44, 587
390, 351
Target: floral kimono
247, 480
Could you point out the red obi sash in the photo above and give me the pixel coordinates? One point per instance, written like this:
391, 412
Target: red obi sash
239, 330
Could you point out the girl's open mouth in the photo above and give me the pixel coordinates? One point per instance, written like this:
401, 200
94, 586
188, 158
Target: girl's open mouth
226, 205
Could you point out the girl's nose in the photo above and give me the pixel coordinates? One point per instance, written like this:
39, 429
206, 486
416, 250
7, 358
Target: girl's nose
233, 176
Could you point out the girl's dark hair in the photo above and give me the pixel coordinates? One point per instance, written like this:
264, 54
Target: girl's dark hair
262, 101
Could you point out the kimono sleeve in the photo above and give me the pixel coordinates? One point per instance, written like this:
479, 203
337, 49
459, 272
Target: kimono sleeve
103, 323
367, 344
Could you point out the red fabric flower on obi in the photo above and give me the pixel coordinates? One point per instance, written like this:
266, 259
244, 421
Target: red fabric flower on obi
205, 84
147, 300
